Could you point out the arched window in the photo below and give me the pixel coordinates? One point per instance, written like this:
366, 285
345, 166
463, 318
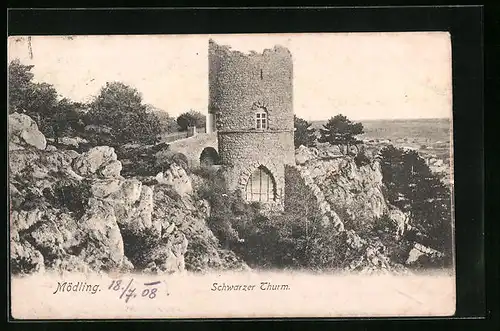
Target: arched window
261, 122
260, 186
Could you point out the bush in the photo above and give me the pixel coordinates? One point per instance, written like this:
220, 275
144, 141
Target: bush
294, 239
138, 161
384, 224
70, 195
208, 173
138, 245
164, 159
361, 159
181, 160
119, 107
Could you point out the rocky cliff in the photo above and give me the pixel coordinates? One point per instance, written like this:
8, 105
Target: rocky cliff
350, 196
347, 192
75, 212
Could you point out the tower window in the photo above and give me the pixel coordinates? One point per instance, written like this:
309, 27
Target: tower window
261, 74
260, 186
261, 122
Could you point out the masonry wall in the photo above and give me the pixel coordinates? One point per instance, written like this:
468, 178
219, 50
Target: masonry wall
240, 85
238, 82
243, 152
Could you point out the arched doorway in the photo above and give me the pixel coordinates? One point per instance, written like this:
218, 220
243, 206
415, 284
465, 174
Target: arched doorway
209, 156
261, 186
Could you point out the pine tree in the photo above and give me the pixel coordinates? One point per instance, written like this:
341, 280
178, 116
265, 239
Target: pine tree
341, 131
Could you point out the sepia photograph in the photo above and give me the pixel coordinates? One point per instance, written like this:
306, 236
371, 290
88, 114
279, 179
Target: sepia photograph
231, 175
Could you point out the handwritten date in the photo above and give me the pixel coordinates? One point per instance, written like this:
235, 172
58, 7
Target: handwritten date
128, 291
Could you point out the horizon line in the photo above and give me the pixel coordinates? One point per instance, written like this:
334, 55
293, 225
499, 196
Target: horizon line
392, 119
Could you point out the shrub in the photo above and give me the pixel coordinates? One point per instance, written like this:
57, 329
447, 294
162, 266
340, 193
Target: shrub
164, 159
208, 173
181, 160
293, 239
30, 202
361, 159
138, 245
384, 224
70, 195
119, 107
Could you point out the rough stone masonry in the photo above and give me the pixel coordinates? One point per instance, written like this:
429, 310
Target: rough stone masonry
243, 89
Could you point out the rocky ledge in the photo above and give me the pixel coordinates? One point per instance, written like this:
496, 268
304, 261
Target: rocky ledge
75, 212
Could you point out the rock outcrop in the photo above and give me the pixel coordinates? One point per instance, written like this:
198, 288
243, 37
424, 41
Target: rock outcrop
99, 160
328, 215
350, 197
177, 178
343, 188
23, 132
368, 256
75, 212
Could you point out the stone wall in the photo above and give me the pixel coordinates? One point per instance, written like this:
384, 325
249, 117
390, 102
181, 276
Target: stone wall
239, 86
242, 153
239, 83
192, 147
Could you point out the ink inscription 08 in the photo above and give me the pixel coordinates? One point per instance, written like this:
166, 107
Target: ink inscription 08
129, 291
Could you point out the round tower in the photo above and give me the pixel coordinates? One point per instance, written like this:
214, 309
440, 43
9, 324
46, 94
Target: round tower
251, 107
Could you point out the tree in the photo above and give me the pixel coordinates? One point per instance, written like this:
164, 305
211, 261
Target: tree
304, 134
20, 85
119, 108
341, 131
168, 124
66, 119
413, 188
191, 118
40, 101
37, 100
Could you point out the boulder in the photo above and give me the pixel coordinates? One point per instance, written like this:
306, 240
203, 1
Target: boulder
177, 178
23, 219
72, 141
15, 147
168, 256
20, 160
413, 256
24, 258
303, 154
111, 170
128, 193
24, 131
105, 187
102, 243
138, 218
48, 231
399, 218
101, 160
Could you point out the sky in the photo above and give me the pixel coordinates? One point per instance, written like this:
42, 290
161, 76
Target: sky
361, 75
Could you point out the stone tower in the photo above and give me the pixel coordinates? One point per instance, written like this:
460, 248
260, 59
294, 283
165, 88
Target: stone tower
251, 108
